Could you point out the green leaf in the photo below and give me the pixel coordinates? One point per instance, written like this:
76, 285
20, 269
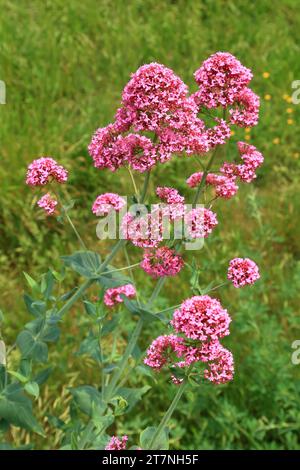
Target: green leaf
35, 307
148, 316
91, 347
42, 376
85, 263
34, 286
90, 308
18, 376
50, 334
1, 317
102, 422
88, 399
16, 408
132, 395
110, 325
47, 285
32, 388
31, 347
161, 443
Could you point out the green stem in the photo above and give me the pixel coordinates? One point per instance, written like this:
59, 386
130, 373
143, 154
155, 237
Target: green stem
145, 187
86, 435
118, 372
130, 266
156, 291
168, 415
75, 297
131, 345
218, 286
204, 176
133, 182
81, 242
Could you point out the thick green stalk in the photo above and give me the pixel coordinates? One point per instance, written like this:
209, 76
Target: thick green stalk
168, 415
131, 345
118, 372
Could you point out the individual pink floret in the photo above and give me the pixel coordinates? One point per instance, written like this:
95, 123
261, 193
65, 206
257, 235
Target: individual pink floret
202, 318
221, 78
107, 202
116, 443
162, 262
113, 297
242, 271
48, 203
44, 170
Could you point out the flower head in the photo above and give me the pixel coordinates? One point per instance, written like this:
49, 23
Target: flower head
153, 92
221, 367
113, 295
116, 443
106, 148
202, 318
246, 111
200, 222
220, 78
162, 351
48, 203
144, 231
43, 170
242, 271
162, 262
106, 202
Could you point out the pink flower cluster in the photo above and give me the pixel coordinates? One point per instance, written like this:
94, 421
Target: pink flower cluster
106, 202
116, 443
242, 271
201, 321
200, 222
162, 262
225, 187
156, 100
246, 171
47, 203
201, 318
174, 208
113, 297
246, 111
220, 78
153, 93
43, 170
163, 350
144, 231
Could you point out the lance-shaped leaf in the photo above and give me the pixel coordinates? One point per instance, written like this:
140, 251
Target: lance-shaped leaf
85, 263
16, 409
161, 442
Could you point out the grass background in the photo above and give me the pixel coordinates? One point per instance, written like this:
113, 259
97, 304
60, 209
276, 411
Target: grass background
64, 65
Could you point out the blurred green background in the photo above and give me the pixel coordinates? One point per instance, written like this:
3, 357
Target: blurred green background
65, 65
